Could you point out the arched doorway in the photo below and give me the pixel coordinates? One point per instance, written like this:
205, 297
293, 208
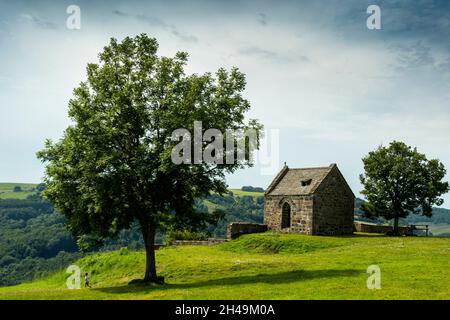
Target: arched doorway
286, 216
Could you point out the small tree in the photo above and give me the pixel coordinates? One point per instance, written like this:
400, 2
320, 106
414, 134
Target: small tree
113, 165
17, 189
398, 181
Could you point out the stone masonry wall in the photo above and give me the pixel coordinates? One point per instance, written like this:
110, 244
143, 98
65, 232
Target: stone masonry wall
375, 228
208, 242
333, 206
301, 213
236, 229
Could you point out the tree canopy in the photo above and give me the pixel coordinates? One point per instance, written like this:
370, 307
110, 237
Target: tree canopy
399, 181
113, 165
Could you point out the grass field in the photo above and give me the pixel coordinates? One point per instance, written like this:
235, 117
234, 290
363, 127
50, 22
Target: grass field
237, 193
264, 266
6, 190
240, 193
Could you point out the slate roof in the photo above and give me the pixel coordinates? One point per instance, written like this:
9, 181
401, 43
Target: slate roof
288, 182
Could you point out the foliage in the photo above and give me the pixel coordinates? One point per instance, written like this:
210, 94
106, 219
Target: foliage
236, 209
33, 240
252, 189
172, 235
398, 181
113, 166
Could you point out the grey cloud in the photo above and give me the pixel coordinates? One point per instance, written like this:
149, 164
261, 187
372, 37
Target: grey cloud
39, 22
156, 22
153, 21
254, 50
262, 19
184, 37
401, 20
271, 55
119, 13
413, 56
445, 66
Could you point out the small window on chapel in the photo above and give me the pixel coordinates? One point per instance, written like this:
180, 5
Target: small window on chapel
305, 183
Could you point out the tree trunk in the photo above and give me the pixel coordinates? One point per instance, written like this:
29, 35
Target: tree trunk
396, 232
150, 262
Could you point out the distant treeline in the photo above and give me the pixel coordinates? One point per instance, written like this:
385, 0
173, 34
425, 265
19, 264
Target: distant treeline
34, 240
237, 209
252, 189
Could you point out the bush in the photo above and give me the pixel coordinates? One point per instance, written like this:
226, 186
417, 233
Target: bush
185, 235
252, 189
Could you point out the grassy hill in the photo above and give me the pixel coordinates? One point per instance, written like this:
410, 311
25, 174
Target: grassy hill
264, 266
7, 190
240, 193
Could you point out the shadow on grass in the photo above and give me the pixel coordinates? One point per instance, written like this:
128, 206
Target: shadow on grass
364, 235
275, 278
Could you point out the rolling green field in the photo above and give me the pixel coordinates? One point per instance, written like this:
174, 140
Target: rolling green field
6, 190
240, 193
236, 193
264, 266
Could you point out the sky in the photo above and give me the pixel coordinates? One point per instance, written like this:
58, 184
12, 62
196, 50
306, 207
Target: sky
330, 87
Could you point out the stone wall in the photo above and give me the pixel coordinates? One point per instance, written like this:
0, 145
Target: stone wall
236, 229
375, 228
333, 206
301, 213
208, 242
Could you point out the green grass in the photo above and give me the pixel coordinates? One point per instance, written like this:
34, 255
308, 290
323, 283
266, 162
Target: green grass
6, 190
264, 266
237, 193
212, 206
240, 193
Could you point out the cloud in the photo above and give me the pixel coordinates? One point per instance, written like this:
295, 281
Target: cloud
262, 19
39, 22
119, 13
445, 66
156, 22
413, 56
256, 51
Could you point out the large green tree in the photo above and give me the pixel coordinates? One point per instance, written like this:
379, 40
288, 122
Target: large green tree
113, 165
398, 181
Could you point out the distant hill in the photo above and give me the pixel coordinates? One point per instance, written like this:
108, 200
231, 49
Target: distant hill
26, 189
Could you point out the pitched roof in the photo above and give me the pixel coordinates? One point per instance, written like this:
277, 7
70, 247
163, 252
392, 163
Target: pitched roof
289, 181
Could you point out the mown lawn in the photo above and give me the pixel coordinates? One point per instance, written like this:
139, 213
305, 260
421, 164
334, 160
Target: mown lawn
265, 266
